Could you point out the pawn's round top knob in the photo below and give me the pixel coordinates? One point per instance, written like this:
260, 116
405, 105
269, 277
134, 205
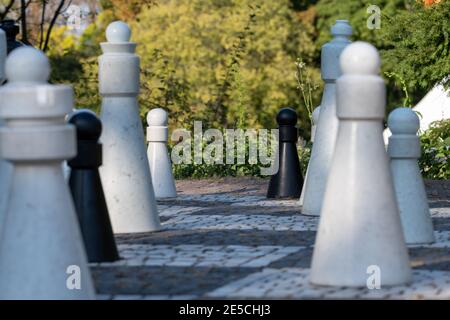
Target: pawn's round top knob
341, 28
118, 32
88, 125
360, 58
403, 121
157, 117
287, 117
10, 28
27, 65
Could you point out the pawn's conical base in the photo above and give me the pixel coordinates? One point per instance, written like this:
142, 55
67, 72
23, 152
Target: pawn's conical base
288, 181
93, 215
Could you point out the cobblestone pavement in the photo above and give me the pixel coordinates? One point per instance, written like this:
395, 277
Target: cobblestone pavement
223, 239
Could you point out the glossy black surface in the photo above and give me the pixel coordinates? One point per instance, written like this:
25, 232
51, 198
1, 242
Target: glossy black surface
87, 190
288, 181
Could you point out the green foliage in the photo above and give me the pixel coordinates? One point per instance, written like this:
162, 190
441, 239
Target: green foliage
413, 41
304, 154
435, 160
305, 86
205, 170
418, 45
222, 61
328, 11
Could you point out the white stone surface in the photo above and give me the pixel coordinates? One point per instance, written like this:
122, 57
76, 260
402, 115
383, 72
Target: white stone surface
125, 172
315, 121
40, 235
404, 151
158, 155
5, 167
2, 55
315, 118
433, 107
360, 222
440, 212
118, 32
327, 127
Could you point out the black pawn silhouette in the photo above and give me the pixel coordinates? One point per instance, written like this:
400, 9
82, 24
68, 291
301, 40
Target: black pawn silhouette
87, 190
288, 181
11, 29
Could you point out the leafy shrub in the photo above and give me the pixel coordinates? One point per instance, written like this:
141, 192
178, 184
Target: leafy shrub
205, 170
435, 160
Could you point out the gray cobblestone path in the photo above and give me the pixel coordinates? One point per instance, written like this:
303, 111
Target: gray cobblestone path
223, 239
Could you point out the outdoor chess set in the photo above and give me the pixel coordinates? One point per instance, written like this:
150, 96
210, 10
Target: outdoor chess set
89, 207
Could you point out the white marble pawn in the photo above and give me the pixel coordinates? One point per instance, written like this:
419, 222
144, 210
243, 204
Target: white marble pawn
315, 121
3, 50
5, 167
125, 173
360, 232
404, 151
158, 156
40, 244
327, 127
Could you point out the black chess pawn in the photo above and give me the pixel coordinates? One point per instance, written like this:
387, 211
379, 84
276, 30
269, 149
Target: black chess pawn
12, 30
288, 181
87, 190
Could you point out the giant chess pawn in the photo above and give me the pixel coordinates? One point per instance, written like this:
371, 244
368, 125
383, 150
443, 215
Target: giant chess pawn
404, 150
315, 121
158, 156
87, 190
125, 173
3, 50
5, 167
327, 127
360, 230
288, 181
41, 244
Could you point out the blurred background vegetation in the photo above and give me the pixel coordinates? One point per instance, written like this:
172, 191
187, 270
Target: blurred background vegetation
233, 63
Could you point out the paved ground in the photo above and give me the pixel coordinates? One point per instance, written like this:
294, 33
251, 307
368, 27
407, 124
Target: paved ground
223, 239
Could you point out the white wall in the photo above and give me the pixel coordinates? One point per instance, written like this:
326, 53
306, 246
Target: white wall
434, 106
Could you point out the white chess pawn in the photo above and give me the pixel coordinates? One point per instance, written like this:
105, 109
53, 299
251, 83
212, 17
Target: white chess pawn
327, 126
3, 48
41, 244
404, 150
315, 121
5, 167
360, 232
125, 173
158, 156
